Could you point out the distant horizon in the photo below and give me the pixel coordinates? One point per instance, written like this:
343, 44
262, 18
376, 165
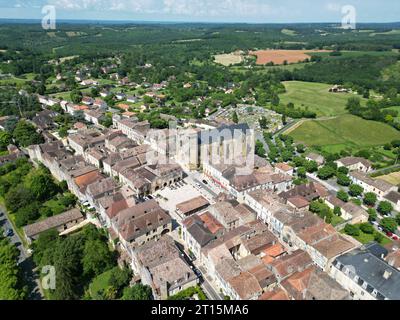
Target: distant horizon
121, 21
207, 11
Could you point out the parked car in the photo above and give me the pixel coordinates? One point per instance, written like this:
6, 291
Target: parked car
9, 233
395, 237
150, 197
205, 182
389, 234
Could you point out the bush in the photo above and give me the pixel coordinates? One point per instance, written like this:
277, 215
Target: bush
342, 195
385, 207
370, 199
352, 230
355, 190
343, 179
367, 228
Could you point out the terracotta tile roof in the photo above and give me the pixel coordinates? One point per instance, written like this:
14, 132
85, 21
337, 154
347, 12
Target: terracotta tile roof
246, 286
284, 167
313, 284
299, 202
333, 246
88, 178
211, 223
289, 264
275, 250
276, 294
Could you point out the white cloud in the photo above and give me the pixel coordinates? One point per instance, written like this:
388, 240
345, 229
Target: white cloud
193, 8
225, 8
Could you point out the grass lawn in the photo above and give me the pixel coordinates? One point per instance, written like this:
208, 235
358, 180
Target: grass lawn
100, 283
344, 132
336, 220
55, 206
365, 238
316, 97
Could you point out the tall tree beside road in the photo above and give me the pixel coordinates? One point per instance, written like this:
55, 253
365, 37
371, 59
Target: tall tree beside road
10, 282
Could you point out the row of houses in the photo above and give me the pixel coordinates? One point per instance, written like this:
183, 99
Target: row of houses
238, 181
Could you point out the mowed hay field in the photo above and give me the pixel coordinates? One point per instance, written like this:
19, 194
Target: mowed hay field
343, 132
280, 56
228, 59
393, 178
316, 97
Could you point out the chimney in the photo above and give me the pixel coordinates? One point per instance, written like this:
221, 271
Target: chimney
387, 274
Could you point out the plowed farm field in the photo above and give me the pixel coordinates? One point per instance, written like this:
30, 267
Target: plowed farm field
280, 56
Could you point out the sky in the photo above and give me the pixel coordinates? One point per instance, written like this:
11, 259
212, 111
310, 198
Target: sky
250, 11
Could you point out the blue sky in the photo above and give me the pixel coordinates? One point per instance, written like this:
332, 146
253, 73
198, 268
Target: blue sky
257, 11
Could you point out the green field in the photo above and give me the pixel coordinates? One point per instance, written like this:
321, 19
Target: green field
316, 97
100, 283
344, 132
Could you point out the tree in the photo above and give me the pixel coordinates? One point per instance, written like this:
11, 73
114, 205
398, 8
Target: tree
343, 179
352, 230
372, 214
342, 195
63, 132
355, 190
301, 172
353, 105
389, 224
235, 117
367, 228
5, 140
27, 214
301, 148
259, 149
18, 197
337, 211
10, 288
41, 184
137, 292
76, 96
370, 199
326, 172
398, 218
97, 258
311, 166
378, 237
119, 278
385, 207
343, 170
25, 134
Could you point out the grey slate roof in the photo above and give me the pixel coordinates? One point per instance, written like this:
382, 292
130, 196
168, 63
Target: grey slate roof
371, 269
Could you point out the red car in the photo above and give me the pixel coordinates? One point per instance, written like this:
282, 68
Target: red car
389, 234
395, 237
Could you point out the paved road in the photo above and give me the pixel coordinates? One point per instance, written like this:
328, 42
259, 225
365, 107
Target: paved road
24, 261
326, 184
208, 288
